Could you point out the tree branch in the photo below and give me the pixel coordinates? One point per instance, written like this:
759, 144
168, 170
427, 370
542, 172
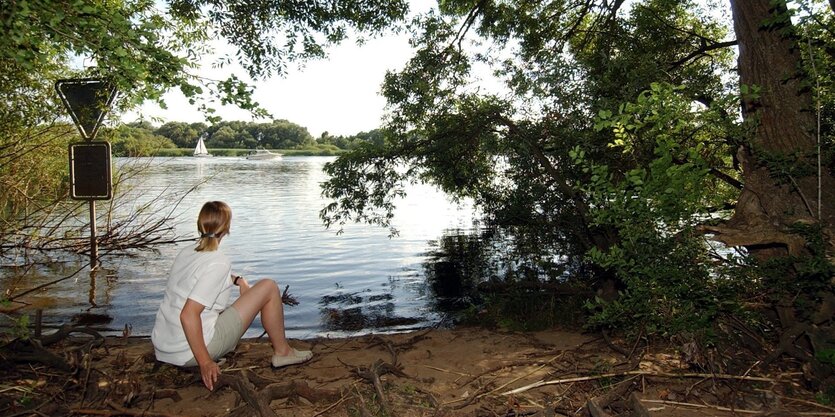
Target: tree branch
703, 51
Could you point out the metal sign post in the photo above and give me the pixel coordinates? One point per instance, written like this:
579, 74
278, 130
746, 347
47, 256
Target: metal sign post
87, 100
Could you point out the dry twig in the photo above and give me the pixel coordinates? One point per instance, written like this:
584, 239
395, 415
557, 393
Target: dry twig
644, 373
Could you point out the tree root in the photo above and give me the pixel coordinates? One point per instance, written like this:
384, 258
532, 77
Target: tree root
756, 235
258, 401
32, 350
372, 375
597, 404
818, 338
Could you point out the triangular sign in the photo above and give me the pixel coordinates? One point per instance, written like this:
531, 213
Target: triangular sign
87, 100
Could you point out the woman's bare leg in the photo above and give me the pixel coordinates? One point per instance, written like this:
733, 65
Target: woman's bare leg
264, 297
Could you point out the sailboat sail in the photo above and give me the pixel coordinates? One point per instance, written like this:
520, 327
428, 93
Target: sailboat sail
200, 149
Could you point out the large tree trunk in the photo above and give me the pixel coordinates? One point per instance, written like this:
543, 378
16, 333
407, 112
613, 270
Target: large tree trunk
775, 197
784, 126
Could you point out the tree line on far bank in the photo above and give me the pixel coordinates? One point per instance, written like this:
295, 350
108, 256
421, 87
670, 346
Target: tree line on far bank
144, 139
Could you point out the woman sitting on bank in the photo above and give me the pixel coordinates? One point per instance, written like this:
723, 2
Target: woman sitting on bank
194, 325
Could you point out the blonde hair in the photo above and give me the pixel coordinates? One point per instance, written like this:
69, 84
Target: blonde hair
213, 223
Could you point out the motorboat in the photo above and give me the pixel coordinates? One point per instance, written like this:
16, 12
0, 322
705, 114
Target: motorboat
261, 154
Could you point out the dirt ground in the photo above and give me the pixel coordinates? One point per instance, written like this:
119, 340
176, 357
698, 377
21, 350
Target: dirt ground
433, 372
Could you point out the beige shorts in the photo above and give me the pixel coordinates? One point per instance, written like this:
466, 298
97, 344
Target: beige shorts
228, 332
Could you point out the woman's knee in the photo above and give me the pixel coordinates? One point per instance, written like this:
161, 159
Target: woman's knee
268, 286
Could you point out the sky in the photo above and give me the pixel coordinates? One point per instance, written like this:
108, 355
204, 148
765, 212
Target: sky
339, 95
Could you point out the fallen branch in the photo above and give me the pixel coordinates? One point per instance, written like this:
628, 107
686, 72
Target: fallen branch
446, 371
517, 378
644, 373
66, 330
511, 365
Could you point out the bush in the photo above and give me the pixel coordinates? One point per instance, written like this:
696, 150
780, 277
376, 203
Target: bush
669, 283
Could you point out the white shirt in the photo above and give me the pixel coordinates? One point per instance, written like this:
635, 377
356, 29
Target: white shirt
203, 277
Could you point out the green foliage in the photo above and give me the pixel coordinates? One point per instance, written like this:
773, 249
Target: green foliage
375, 137
362, 192
127, 140
146, 48
826, 396
826, 356
25, 189
131, 42
511, 151
183, 135
270, 34
669, 284
224, 137
19, 329
278, 134
800, 279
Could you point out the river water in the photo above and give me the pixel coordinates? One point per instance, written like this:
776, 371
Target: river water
355, 282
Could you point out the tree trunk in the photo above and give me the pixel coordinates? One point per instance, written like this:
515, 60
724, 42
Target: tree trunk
783, 127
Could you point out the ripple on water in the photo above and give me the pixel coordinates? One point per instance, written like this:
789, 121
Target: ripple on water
357, 281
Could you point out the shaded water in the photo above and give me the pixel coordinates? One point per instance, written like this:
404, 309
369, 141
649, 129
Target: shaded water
358, 281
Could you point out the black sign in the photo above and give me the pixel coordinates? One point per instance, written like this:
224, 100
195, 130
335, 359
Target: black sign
87, 101
90, 171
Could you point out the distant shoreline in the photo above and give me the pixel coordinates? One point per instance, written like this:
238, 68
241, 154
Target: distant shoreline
177, 152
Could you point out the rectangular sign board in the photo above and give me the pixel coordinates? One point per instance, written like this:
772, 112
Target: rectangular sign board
90, 171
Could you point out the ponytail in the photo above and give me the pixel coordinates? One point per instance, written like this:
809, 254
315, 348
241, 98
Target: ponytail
213, 223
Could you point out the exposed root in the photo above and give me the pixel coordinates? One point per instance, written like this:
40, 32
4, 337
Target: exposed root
760, 235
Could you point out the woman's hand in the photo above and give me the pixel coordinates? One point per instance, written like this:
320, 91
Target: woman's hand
209, 371
241, 282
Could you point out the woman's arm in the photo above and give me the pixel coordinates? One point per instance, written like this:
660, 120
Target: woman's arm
240, 281
193, 328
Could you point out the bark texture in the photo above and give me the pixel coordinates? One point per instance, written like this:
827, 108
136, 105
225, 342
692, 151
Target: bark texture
783, 126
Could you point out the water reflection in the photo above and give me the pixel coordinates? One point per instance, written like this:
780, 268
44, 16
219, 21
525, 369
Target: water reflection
353, 312
457, 263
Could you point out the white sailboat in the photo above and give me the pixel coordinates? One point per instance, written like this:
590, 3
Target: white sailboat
200, 150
